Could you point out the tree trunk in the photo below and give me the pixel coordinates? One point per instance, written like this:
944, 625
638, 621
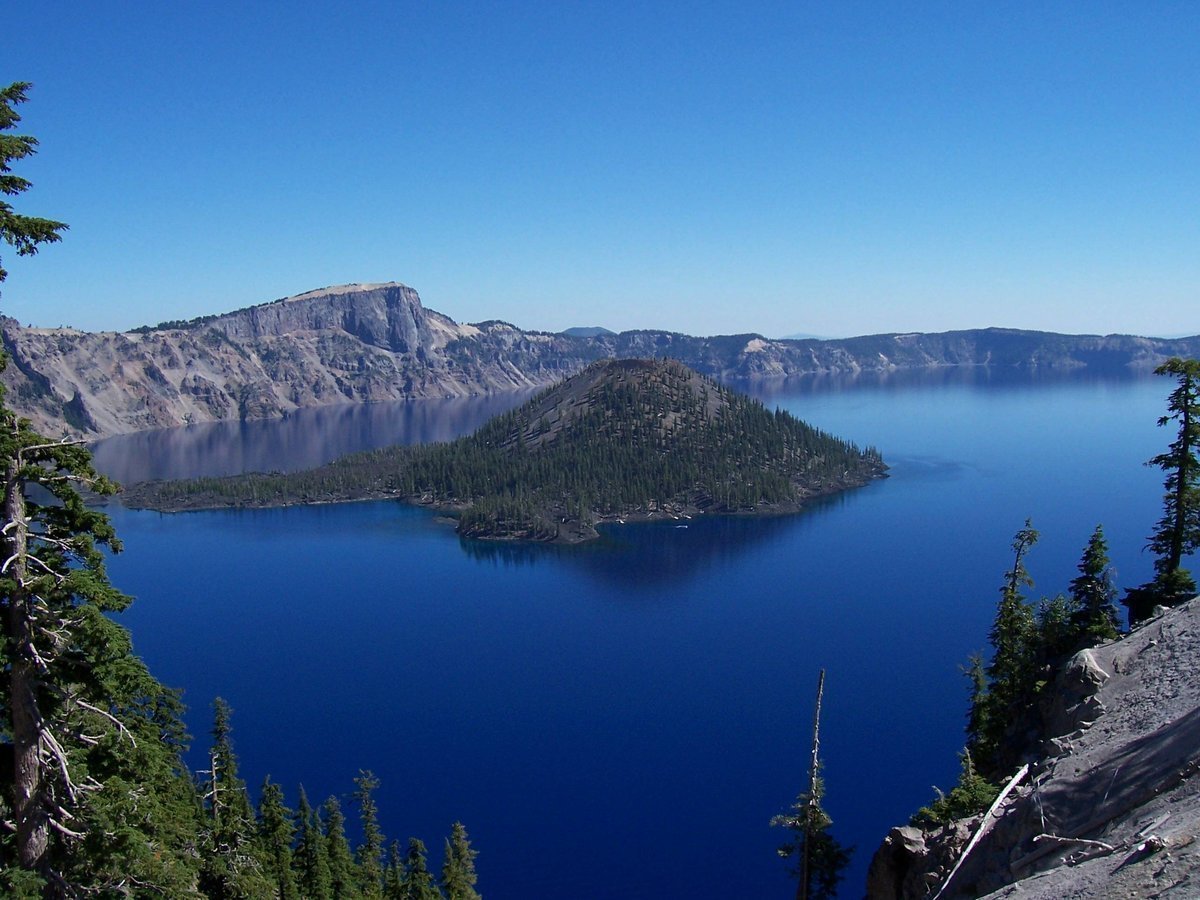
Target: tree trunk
32, 820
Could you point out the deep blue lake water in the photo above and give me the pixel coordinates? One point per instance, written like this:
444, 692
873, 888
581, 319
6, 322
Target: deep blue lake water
621, 720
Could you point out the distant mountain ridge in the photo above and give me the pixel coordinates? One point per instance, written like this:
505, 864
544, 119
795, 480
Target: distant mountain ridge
369, 342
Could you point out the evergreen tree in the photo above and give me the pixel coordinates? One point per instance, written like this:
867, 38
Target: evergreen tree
343, 873
418, 881
458, 867
370, 852
820, 858
971, 796
312, 856
231, 866
1094, 617
393, 876
1178, 532
1011, 671
25, 233
276, 832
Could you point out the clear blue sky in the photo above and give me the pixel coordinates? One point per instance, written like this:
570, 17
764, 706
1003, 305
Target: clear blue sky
833, 168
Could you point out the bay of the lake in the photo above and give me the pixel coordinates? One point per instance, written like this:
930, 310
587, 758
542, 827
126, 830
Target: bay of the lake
622, 719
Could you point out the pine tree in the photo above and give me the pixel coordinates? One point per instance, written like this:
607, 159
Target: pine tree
393, 876
458, 867
418, 882
971, 796
231, 865
1178, 531
1094, 617
276, 832
312, 856
26, 233
1011, 673
820, 858
370, 852
343, 873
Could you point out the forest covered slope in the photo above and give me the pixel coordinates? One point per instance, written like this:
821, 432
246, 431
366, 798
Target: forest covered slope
368, 342
623, 438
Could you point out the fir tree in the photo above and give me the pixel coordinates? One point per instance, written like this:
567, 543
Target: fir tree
276, 832
231, 865
393, 875
971, 796
25, 233
820, 858
370, 852
1094, 616
343, 873
1011, 671
418, 881
312, 856
1178, 531
458, 867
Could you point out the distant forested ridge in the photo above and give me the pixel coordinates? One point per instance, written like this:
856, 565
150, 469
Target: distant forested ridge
368, 342
622, 439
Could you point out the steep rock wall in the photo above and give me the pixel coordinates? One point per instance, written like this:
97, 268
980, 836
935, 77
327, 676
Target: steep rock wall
360, 343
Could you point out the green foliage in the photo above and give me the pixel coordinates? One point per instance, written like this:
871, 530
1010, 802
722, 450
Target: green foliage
344, 876
312, 855
817, 853
417, 883
1178, 531
1029, 645
370, 852
458, 867
1094, 615
276, 834
25, 233
971, 796
1011, 670
231, 866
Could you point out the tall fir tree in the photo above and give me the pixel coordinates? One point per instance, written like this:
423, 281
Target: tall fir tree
25, 233
312, 855
820, 858
418, 882
1010, 672
231, 867
343, 872
276, 833
393, 875
458, 866
370, 851
1178, 532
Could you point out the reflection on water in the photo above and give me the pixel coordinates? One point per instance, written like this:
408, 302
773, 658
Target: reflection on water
302, 440
311, 437
991, 378
641, 554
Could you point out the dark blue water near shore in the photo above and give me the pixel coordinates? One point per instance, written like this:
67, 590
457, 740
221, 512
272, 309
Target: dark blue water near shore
621, 720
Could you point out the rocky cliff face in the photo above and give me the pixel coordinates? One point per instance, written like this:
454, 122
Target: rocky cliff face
358, 343
1113, 807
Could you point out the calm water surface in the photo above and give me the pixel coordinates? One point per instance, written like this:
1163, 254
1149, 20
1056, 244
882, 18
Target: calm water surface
621, 720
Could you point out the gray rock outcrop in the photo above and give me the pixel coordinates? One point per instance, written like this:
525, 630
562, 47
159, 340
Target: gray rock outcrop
1111, 810
360, 343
